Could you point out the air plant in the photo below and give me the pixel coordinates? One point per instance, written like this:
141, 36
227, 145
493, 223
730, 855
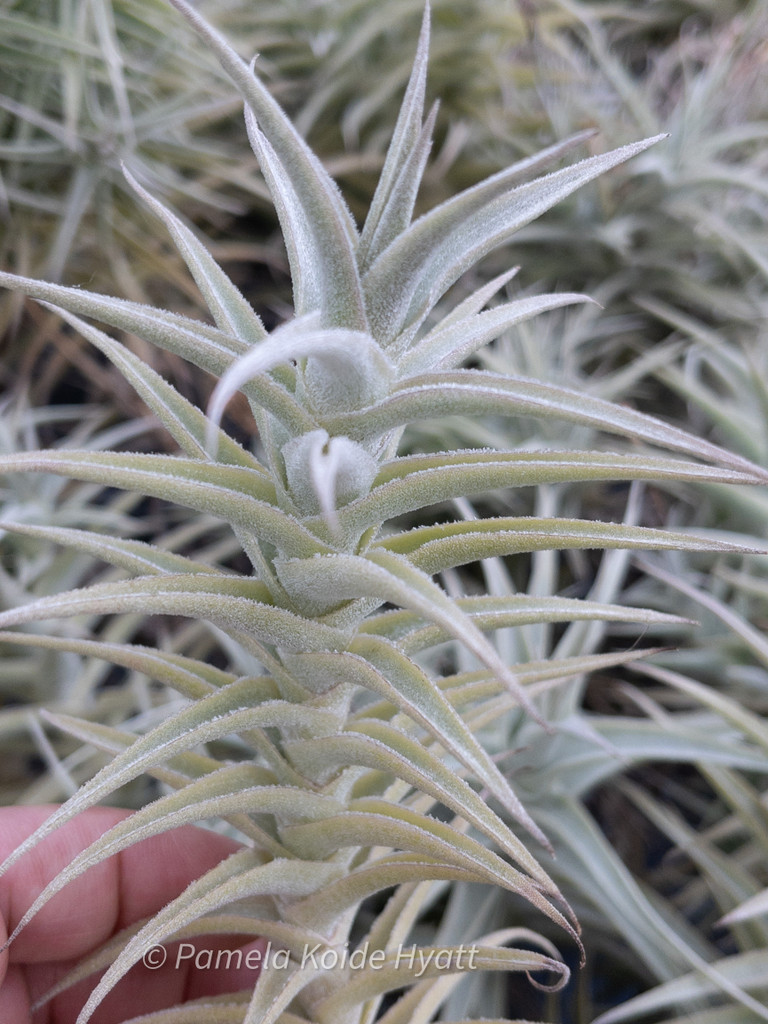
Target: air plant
358, 766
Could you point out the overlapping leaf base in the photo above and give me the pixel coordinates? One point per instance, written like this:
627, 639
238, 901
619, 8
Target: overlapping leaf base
362, 769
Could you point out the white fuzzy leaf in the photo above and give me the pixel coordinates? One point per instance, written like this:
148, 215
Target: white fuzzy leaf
475, 301
188, 676
407, 280
305, 261
447, 346
229, 309
199, 343
377, 665
412, 482
135, 556
277, 990
473, 392
325, 473
239, 496
234, 879
183, 421
397, 214
330, 229
352, 356
435, 548
380, 746
405, 139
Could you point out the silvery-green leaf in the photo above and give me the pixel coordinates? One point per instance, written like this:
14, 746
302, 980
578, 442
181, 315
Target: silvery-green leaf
377, 665
231, 602
411, 482
234, 879
386, 871
601, 744
435, 548
184, 422
232, 314
199, 343
277, 990
466, 687
239, 496
405, 276
395, 921
732, 881
652, 936
212, 1010
729, 709
404, 142
473, 392
419, 1003
306, 265
429, 229
135, 556
98, 960
186, 767
397, 214
330, 230
755, 906
181, 770
752, 637
413, 634
244, 704
317, 583
188, 676
424, 1019
373, 981
448, 346
748, 971
345, 376
237, 863
203, 345
396, 826
386, 749
411, 275
216, 794
286, 935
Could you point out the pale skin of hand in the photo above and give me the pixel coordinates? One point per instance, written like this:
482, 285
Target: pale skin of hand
127, 887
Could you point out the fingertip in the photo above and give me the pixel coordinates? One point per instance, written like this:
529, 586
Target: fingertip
111, 895
157, 870
14, 996
84, 913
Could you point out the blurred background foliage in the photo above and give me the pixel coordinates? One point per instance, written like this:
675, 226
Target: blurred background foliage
660, 831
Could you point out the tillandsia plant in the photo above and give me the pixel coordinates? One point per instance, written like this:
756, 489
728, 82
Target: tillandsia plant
358, 768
